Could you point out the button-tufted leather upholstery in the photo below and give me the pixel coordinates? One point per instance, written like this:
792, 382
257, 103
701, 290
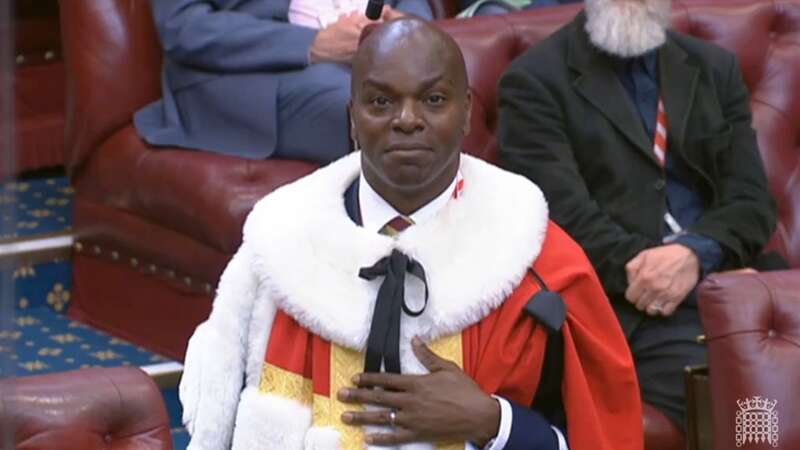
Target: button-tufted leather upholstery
38, 88
753, 334
158, 226
111, 408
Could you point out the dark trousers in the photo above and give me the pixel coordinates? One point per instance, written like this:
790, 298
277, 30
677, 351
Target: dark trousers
662, 347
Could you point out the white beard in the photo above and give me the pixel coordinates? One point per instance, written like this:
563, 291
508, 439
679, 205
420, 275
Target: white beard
627, 28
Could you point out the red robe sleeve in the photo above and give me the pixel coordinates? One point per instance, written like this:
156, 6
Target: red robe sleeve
600, 392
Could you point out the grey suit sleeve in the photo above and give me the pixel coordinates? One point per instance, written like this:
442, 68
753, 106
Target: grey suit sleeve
419, 8
533, 142
210, 35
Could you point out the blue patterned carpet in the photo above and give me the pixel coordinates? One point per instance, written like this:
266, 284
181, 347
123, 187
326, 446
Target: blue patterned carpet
42, 205
42, 285
40, 338
43, 341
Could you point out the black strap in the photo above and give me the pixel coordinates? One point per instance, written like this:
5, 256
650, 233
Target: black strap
549, 309
383, 343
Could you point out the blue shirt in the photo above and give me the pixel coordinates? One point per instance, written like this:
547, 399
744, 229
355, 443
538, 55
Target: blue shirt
640, 78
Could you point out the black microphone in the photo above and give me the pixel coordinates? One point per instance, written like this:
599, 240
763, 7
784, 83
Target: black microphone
374, 9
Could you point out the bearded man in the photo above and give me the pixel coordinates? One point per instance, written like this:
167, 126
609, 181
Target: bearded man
641, 139
350, 269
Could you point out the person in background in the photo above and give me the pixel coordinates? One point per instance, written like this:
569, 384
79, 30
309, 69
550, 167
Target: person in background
418, 270
641, 139
259, 78
472, 8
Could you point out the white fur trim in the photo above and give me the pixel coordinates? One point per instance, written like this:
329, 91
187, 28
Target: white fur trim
322, 438
307, 251
210, 386
269, 422
260, 329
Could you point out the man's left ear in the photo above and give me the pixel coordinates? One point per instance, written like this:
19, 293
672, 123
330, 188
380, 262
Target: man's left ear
468, 116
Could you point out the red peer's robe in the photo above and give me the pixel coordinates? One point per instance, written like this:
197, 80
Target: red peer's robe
503, 353
291, 316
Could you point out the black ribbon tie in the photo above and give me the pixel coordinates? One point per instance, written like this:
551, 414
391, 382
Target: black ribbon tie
383, 343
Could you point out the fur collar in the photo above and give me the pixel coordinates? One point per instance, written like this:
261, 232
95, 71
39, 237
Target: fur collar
475, 251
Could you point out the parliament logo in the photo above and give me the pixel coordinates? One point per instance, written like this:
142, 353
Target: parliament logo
757, 421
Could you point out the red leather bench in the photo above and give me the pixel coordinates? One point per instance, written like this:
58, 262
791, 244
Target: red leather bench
117, 408
753, 335
156, 227
38, 88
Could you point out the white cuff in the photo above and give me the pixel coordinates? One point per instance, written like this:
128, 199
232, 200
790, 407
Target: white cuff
562, 442
503, 433
506, 418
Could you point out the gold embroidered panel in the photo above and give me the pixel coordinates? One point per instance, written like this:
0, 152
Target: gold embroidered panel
346, 363
283, 383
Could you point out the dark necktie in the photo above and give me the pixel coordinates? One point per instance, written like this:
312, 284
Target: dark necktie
383, 343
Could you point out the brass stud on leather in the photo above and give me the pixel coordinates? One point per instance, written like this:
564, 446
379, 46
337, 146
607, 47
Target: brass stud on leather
207, 288
20, 59
49, 55
78, 247
187, 281
96, 249
114, 255
152, 268
171, 273
134, 262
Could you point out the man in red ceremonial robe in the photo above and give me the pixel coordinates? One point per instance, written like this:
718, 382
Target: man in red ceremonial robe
398, 298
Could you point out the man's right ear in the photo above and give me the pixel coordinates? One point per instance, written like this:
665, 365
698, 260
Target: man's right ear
353, 135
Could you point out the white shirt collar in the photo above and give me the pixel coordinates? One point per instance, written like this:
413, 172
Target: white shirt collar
376, 212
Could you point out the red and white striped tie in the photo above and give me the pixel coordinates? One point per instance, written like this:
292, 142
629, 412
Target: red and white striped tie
660, 150
660, 140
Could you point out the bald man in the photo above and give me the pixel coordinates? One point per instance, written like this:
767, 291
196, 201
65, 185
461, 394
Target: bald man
408, 295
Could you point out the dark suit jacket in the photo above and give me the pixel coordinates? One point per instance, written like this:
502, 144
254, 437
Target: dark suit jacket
215, 40
567, 123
